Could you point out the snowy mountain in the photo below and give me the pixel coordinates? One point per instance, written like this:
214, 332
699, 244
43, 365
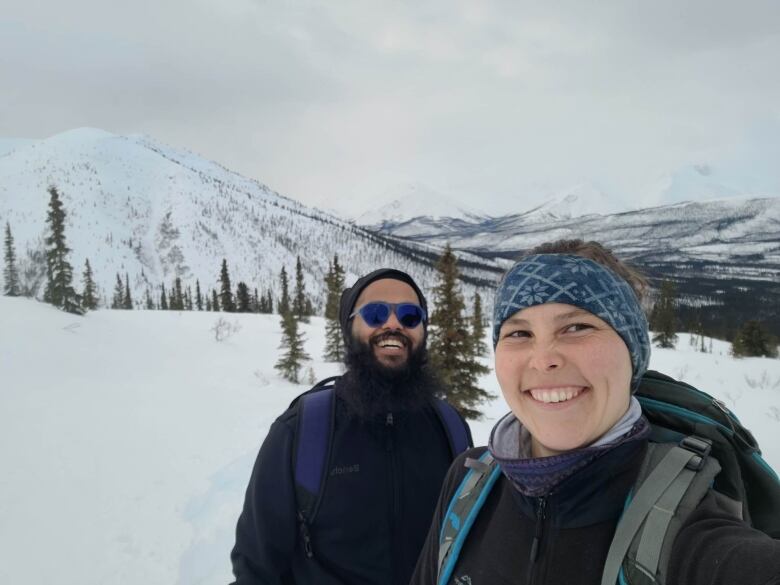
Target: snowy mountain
139, 207
415, 201
424, 215
134, 472
702, 182
577, 201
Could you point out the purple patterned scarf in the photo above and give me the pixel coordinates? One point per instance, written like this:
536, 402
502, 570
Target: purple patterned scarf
536, 476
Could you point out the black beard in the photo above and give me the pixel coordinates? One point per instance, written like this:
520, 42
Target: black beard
372, 389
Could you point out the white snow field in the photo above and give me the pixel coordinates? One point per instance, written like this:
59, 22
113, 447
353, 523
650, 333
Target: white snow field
127, 438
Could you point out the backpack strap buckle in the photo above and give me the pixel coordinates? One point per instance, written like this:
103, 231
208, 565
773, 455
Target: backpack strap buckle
701, 449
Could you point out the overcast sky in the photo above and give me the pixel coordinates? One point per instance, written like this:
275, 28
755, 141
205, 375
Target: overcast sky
337, 103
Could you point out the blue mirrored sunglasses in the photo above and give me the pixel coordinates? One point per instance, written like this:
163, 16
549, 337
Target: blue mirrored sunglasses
377, 313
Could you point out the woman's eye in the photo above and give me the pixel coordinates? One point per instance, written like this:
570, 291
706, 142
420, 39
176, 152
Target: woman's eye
575, 327
517, 333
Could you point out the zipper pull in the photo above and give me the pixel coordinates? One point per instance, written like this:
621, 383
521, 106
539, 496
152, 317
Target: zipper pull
389, 434
540, 510
305, 536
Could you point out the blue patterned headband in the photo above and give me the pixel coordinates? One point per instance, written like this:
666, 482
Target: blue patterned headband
578, 281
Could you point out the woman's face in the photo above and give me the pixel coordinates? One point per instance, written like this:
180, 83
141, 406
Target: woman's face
565, 373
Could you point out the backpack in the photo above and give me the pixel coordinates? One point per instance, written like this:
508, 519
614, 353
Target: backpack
313, 439
696, 444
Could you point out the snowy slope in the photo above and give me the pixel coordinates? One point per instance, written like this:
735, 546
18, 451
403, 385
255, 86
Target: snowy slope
9, 144
127, 438
137, 206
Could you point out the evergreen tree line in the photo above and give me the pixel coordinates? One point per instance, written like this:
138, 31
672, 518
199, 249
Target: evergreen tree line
753, 339
454, 343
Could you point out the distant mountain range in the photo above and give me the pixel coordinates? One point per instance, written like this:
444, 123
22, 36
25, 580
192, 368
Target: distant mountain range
724, 255
139, 207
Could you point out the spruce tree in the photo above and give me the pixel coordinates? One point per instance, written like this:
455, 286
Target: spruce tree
452, 348
59, 289
300, 305
128, 300
290, 363
226, 294
255, 305
243, 300
269, 302
176, 298
163, 299
149, 301
208, 304
754, 340
334, 285
284, 302
663, 320
198, 296
214, 301
89, 296
478, 328
118, 300
11, 286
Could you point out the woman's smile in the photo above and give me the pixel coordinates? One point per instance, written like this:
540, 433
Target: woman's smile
555, 394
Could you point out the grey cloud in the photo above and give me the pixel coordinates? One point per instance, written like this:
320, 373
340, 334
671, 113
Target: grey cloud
323, 100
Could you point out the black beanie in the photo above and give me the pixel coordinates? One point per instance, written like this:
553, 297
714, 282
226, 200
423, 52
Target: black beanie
350, 295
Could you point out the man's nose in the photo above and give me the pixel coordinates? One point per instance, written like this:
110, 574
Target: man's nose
392, 322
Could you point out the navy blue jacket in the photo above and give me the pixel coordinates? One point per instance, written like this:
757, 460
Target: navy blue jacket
377, 504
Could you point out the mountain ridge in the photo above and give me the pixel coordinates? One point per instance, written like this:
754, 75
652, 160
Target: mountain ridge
138, 206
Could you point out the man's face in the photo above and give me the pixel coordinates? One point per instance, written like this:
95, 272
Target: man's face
391, 343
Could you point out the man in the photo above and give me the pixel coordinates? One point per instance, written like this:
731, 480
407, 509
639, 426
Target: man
389, 452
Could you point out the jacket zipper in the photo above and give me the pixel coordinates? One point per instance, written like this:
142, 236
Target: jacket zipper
541, 508
389, 425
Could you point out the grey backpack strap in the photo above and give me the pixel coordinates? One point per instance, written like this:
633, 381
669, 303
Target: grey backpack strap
462, 511
671, 484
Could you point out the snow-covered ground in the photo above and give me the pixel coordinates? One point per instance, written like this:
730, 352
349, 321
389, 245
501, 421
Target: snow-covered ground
127, 438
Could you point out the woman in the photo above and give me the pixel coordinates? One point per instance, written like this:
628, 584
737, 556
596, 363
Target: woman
571, 344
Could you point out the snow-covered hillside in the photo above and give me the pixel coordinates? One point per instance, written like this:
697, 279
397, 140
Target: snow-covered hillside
127, 437
137, 206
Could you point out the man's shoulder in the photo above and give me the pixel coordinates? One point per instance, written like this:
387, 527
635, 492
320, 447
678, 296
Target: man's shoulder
290, 416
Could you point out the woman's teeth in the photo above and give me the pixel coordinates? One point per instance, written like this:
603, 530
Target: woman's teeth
555, 394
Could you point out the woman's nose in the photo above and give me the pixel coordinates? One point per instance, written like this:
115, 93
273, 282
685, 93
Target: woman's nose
546, 358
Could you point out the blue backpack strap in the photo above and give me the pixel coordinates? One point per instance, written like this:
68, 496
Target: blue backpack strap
463, 510
457, 431
311, 454
313, 439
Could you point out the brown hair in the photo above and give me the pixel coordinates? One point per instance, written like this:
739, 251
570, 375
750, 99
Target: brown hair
600, 254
